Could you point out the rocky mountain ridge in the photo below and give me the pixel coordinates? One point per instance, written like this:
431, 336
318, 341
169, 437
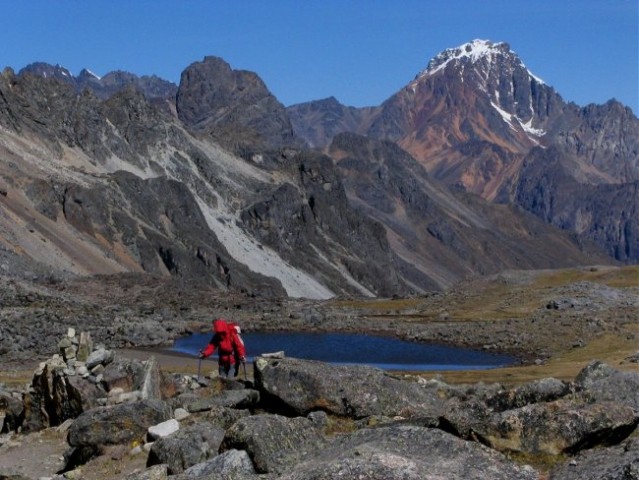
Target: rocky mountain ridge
119, 185
224, 192
103, 87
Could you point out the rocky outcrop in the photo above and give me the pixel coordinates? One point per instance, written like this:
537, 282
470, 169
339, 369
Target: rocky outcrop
620, 462
407, 452
230, 464
117, 424
80, 379
599, 382
351, 391
233, 105
152, 86
187, 447
544, 390
557, 427
357, 421
274, 443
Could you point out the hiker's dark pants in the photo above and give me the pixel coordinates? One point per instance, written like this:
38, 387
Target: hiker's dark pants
224, 369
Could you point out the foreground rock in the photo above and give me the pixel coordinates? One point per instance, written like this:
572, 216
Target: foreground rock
615, 463
118, 424
187, 447
600, 382
410, 453
310, 420
558, 427
78, 379
352, 391
274, 443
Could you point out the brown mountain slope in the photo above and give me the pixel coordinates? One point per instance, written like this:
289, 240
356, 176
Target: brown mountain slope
441, 236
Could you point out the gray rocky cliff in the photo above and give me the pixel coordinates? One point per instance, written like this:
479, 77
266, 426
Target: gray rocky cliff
235, 106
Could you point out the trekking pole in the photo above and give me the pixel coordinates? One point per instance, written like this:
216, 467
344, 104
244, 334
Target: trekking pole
199, 366
244, 365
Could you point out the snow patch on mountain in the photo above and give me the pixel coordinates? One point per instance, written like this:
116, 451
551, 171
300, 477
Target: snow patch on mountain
526, 126
508, 118
90, 73
535, 77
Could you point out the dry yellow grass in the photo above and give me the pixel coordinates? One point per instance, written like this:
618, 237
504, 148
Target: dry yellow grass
610, 349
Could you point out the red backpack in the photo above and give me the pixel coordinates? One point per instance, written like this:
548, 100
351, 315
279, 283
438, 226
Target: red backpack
239, 350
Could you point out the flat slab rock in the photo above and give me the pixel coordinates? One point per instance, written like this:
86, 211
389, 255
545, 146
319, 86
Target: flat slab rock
408, 453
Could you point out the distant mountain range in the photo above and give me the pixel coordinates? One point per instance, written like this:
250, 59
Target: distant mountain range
475, 166
478, 120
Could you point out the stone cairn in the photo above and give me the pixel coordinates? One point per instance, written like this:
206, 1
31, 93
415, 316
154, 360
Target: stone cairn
76, 357
78, 378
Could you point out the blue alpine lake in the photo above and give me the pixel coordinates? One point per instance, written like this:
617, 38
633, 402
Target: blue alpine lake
348, 349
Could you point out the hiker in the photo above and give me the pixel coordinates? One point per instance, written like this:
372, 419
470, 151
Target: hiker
229, 345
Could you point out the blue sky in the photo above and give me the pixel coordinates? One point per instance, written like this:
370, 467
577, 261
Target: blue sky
359, 51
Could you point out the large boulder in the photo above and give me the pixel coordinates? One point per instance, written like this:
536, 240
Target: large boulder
224, 417
543, 390
156, 472
186, 447
274, 443
409, 453
246, 398
302, 386
230, 464
601, 382
124, 373
101, 356
117, 424
464, 417
615, 463
558, 427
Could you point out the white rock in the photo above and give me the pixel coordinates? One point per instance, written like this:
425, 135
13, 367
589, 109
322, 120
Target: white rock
180, 414
71, 332
163, 429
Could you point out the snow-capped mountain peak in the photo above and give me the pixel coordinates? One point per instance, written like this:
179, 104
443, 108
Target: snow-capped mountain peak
476, 51
473, 50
